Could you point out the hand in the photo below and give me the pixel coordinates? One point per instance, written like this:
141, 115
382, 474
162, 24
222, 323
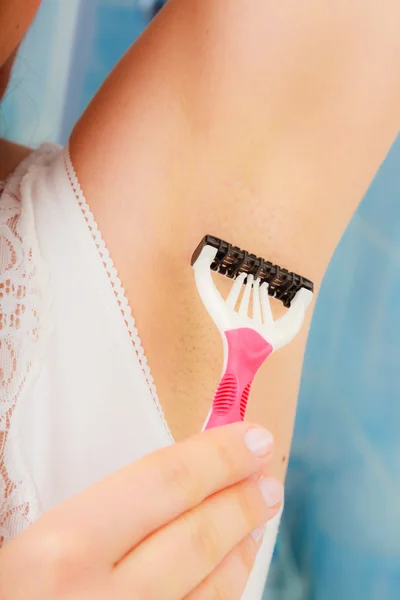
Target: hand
175, 525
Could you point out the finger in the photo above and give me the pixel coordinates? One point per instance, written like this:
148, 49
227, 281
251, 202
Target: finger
244, 305
198, 540
235, 291
229, 579
114, 515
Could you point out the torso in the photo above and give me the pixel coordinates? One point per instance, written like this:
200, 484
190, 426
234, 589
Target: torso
79, 402
185, 355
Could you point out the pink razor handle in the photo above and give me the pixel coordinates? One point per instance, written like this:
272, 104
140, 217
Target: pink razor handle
247, 350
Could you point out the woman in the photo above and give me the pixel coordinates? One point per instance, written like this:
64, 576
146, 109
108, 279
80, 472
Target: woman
220, 119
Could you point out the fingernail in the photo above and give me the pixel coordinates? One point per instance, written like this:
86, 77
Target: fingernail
272, 491
259, 441
258, 533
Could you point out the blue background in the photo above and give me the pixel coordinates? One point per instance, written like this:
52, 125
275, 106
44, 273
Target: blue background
340, 538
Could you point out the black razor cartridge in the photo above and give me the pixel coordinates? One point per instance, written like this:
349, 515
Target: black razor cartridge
231, 260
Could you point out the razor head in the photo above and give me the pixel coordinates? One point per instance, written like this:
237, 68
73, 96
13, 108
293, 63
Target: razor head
231, 260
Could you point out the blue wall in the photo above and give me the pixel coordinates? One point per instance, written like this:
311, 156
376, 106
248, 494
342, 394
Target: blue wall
341, 532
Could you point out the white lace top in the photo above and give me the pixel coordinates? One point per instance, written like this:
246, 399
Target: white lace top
77, 400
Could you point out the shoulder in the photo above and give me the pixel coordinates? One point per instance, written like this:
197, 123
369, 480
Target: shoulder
17, 160
11, 155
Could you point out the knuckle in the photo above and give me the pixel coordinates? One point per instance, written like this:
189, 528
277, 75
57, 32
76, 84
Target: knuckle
185, 486
247, 553
62, 559
205, 541
249, 505
232, 582
226, 458
217, 592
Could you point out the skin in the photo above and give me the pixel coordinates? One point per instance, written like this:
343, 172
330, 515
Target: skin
211, 502
241, 123
15, 19
251, 120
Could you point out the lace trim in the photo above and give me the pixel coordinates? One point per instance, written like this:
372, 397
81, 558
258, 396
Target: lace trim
24, 329
116, 284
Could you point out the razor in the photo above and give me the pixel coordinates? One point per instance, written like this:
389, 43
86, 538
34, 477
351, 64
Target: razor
247, 340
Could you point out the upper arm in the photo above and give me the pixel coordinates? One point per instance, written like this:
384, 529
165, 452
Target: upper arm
244, 124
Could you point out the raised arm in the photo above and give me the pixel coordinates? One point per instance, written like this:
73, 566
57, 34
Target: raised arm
260, 122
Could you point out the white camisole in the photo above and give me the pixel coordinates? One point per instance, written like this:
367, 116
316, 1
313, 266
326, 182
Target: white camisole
77, 400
